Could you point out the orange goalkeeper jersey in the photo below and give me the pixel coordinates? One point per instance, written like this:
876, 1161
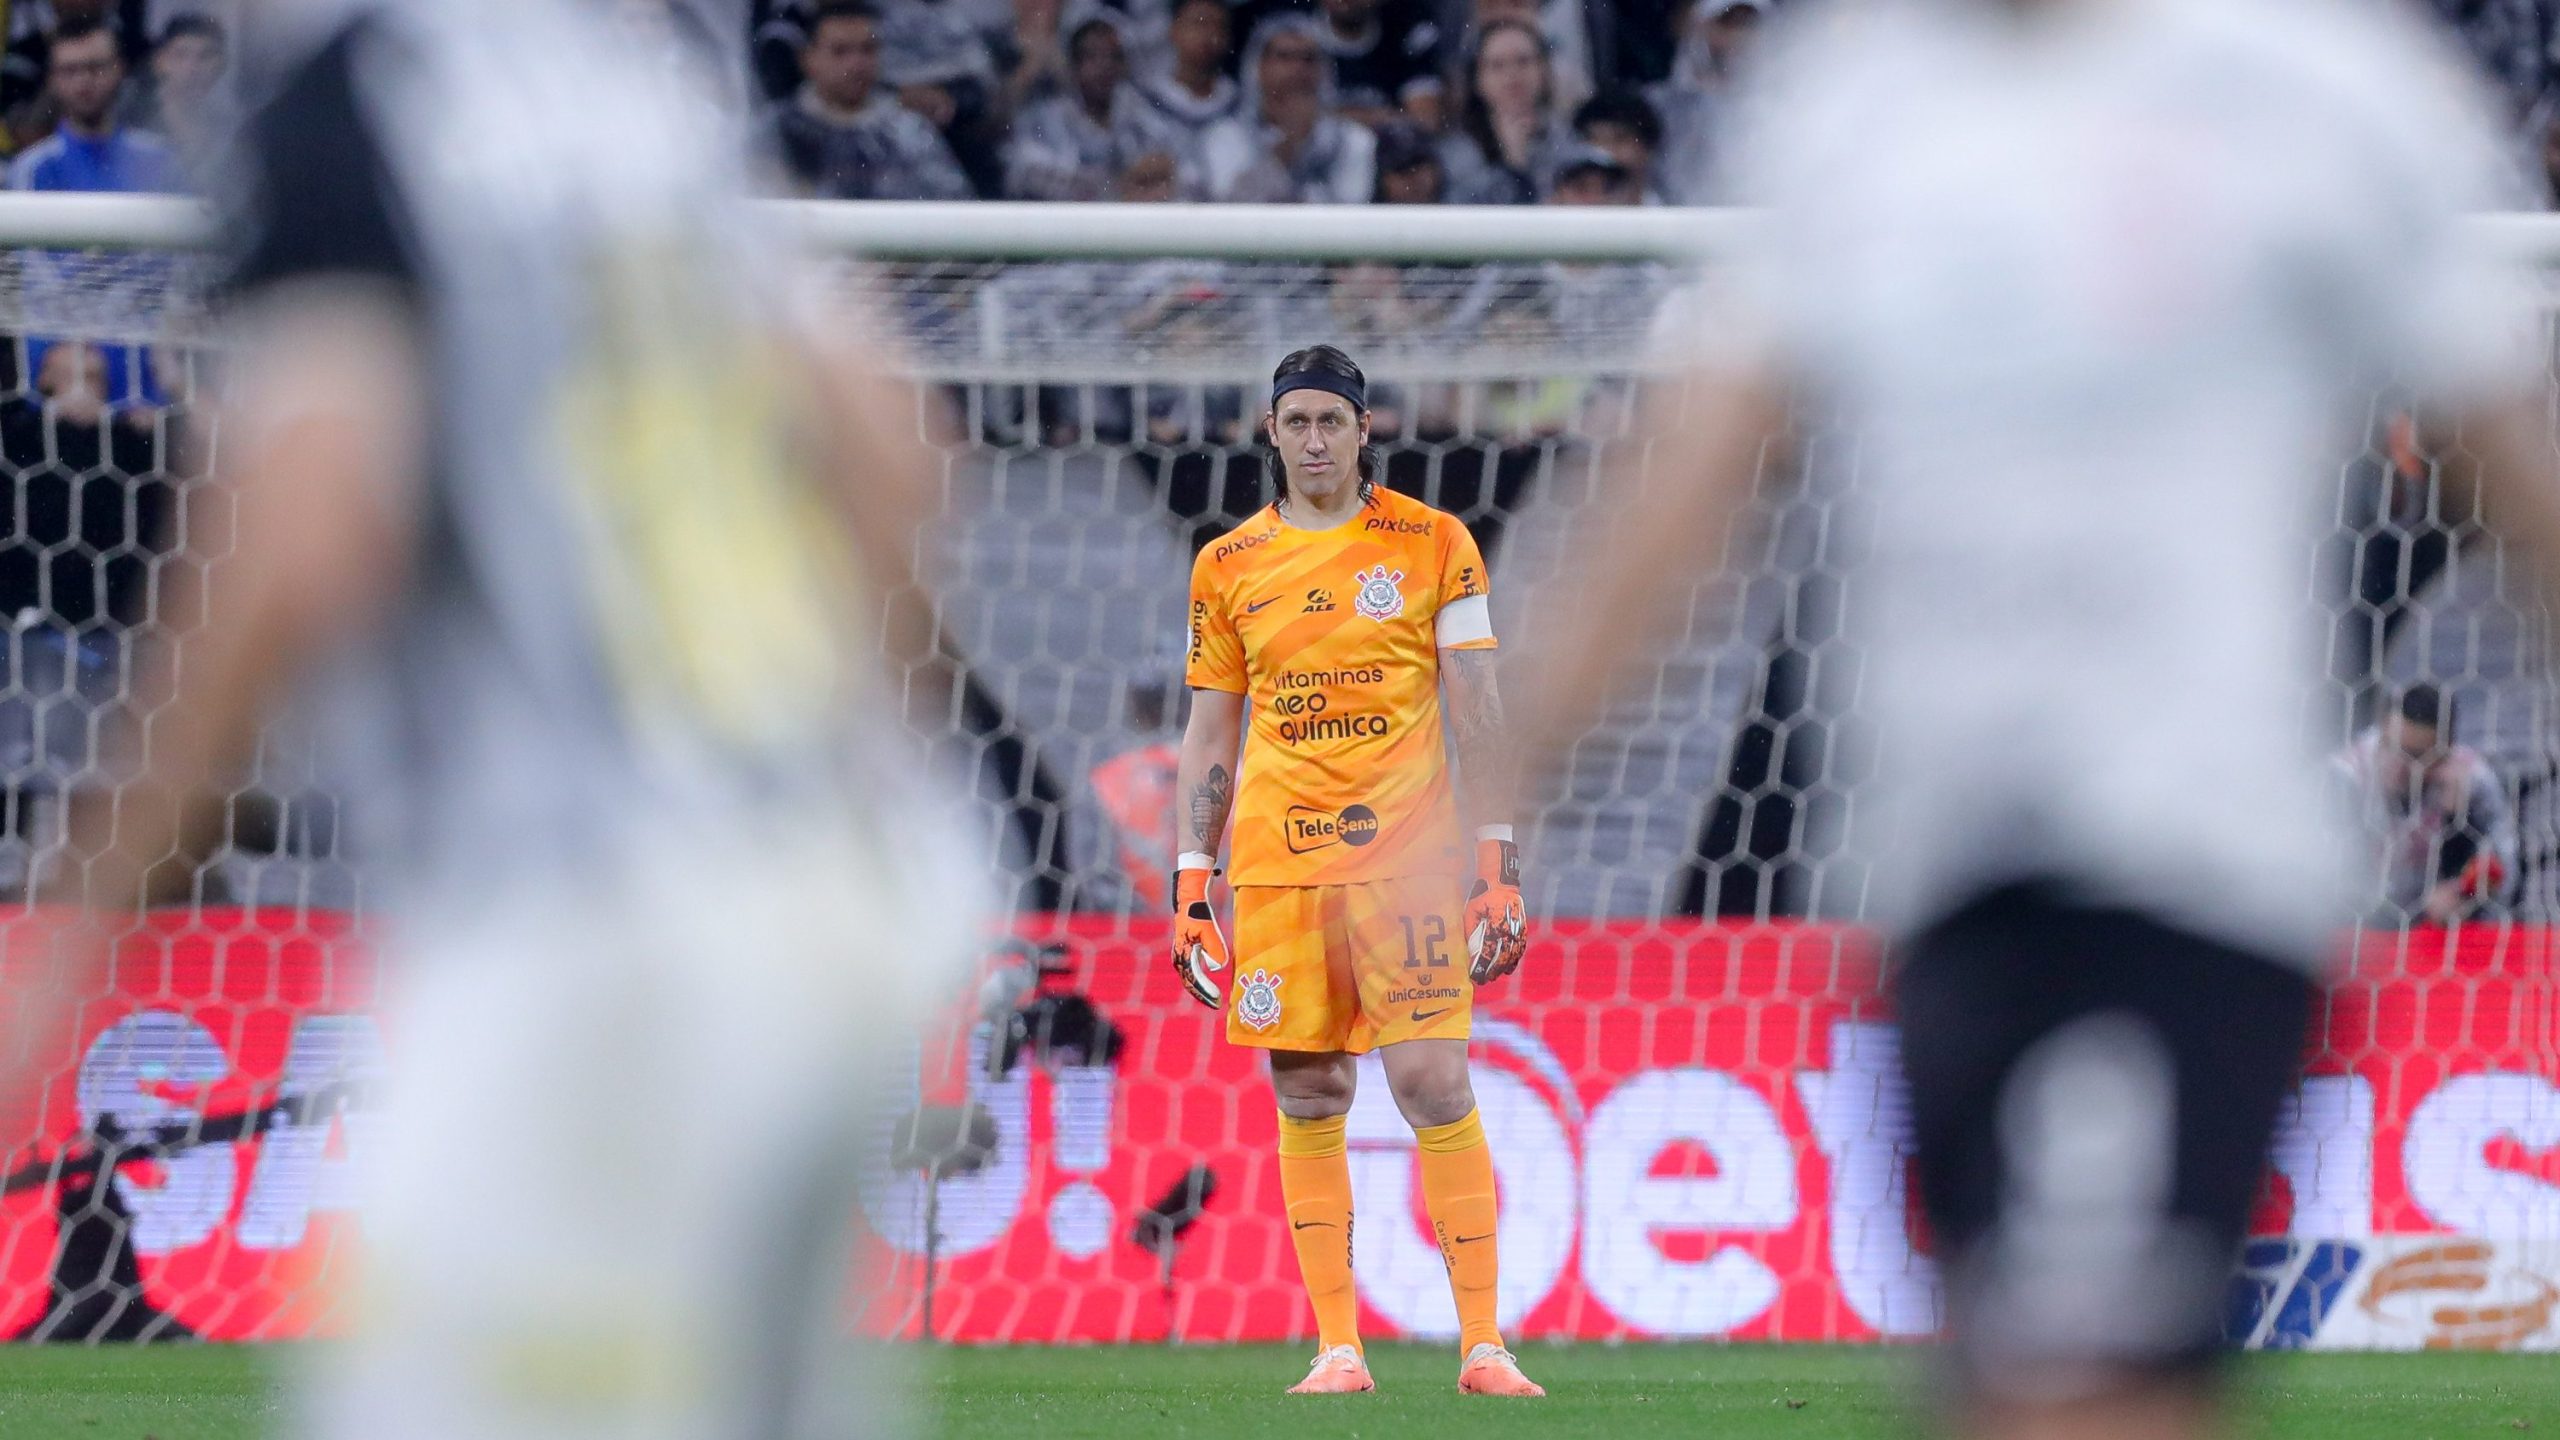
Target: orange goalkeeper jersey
1333, 637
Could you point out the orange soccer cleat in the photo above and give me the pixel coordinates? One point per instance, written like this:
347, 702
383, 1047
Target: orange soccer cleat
1492, 1370
1338, 1371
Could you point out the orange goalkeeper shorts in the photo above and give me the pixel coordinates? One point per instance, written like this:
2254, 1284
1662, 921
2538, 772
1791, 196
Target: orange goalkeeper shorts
1349, 967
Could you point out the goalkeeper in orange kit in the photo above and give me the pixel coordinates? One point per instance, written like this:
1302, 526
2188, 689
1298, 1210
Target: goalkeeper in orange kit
1350, 624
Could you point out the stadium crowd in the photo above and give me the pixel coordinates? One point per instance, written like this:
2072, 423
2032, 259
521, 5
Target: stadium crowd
1397, 102
1342, 101
1339, 101
1347, 101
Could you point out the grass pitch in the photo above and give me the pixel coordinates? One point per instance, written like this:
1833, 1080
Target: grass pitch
1129, 1393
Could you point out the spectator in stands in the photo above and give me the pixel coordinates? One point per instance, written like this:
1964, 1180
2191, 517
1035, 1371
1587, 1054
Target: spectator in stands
1625, 124
1033, 54
1566, 27
843, 137
1183, 307
186, 102
1585, 174
1595, 308
33, 25
928, 51
1192, 89
1152, 178
1520, 321
2513, 42
1282, 146
1386, 58
1409, 170
91, 149
1716, 37
1080, 145
1169, 306
2443, 833
1145, 26
777, 31
1509, 130
939, 63
90, 520
87, 495
72, 379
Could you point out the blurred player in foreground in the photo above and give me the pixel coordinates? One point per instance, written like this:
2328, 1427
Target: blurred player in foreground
1353, 623
2094, 288
585, 541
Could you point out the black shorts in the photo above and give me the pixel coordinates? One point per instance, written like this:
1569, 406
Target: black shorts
2092, 1092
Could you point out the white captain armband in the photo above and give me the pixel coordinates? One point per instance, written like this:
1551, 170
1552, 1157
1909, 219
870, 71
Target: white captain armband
1463, 622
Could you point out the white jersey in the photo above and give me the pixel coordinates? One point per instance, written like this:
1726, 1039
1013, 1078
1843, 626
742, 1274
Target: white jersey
2102, 293
661, 913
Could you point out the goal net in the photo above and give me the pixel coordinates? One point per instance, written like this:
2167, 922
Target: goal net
1689, 1090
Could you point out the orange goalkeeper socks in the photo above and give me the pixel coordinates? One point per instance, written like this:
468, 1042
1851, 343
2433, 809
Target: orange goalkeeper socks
1457, 1188
1315, 1180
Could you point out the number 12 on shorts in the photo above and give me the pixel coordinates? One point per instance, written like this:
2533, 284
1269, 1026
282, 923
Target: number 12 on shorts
1422, 944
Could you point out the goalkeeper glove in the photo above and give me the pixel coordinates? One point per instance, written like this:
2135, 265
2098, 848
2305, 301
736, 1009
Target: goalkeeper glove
1497, 923
1199, 951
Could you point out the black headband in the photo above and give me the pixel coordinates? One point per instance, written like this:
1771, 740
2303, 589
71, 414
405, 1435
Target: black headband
1325, 380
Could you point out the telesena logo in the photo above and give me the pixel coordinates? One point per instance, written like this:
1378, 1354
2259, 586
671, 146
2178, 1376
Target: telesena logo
1311, 829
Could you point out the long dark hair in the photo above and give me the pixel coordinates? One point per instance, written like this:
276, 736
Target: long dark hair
1475, 118
1318, 360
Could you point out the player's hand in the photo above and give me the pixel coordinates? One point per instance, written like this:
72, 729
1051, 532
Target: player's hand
1497, 923
1199, 951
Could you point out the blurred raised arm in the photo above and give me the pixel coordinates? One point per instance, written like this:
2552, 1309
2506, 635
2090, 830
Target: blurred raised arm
1659, 520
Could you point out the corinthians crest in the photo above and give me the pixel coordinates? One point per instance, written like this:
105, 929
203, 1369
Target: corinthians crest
1258, 1000
1379, 599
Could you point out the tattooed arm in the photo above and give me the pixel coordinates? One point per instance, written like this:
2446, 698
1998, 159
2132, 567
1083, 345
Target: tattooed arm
1496, 921
1473, 705
1206, 777
1206, 781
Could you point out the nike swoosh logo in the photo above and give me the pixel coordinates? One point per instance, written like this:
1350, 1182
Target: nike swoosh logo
1258, 604
1421, 1015
1308, 1224
1467, 1239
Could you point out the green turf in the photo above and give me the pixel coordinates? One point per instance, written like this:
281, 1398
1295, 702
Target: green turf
1130, 1393
1728, 1392
125, 1392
